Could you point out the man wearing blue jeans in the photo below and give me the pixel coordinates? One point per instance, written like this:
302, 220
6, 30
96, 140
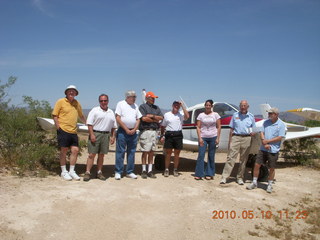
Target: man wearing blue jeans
128, 119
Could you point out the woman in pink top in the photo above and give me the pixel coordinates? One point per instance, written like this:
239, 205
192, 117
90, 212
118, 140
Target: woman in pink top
208, 130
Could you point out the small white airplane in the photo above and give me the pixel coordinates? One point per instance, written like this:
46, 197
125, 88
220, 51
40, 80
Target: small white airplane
225, 110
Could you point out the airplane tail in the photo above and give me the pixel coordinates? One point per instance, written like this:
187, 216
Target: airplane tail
264, 110
143, 94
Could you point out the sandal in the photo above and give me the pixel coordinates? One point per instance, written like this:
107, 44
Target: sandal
198, 178
209, 177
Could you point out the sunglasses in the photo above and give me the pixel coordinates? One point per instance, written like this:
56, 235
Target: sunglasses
103, 101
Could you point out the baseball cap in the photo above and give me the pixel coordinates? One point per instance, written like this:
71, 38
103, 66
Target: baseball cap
151, 94
71, 87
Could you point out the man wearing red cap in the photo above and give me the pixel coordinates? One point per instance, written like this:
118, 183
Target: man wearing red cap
149, 124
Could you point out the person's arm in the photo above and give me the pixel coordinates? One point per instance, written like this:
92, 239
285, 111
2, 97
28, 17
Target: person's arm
113, 136
199, 133
230, 137
91, 134
218, 126
186, 114
56, 121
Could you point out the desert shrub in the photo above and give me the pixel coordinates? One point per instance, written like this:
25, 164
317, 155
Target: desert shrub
22, 143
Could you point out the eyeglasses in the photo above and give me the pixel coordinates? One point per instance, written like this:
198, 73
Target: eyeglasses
103, 101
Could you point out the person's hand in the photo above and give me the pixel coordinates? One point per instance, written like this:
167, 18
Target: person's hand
201, 142
112, 140
92, 138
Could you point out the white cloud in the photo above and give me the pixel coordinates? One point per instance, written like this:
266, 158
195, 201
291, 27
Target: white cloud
42, 7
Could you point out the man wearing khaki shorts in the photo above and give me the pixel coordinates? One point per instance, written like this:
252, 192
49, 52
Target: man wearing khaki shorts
101, 125
149, 124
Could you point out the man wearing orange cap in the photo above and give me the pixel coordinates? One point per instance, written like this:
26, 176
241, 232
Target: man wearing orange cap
65, 115
149, 124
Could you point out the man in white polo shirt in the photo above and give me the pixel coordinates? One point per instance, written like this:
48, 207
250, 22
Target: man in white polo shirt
101, 123
128, 119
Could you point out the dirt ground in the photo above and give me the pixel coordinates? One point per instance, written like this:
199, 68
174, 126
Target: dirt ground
162, 208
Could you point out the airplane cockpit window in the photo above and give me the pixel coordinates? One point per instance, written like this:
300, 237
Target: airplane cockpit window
196, 113
224, 110
188, 121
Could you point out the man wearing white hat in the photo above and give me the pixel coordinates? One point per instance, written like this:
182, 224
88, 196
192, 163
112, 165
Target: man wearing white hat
273, 131
65, 115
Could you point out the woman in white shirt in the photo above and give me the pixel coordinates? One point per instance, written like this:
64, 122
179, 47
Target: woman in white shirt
172, 124
208, 130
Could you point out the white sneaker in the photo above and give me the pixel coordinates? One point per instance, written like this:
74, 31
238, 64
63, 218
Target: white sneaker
252, 186
269, 188
240, 181
66, 176
117, 176
74, 175
223, 181
132, 175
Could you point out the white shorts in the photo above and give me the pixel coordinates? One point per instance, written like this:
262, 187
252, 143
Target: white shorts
148, 140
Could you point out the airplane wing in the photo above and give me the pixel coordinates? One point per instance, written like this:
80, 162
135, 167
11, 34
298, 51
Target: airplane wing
47, 124
309, 113
310, 132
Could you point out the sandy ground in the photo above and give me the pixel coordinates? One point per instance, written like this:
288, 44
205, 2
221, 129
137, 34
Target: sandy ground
162, 208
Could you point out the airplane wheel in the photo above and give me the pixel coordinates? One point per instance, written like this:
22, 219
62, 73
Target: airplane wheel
159, 162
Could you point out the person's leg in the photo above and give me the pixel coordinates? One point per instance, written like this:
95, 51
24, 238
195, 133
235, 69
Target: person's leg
210, 170
100, 162
199, 172
90, 161
131, 150
244, 153
120, 151
231, 157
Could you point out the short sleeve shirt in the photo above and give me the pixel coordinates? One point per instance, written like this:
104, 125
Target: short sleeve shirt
128, 113
241, 123
149, 109
101, 120
272, 130
173, 122
208, 124
67, 113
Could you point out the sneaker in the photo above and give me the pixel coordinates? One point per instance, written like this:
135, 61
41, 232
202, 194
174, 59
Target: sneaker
66, 176
166, 173
101, 177
144, 175
251, 186
117, 176
87, 177
74, 175
240, 181
132, 175
223, 181
269, 188
175, 173
151, 175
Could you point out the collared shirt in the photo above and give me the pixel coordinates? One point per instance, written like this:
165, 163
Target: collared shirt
129, 113
101, 120
67, 113
272, 130
145, 109
242, 123
173, 122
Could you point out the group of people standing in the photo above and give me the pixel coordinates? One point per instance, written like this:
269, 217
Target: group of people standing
107, 127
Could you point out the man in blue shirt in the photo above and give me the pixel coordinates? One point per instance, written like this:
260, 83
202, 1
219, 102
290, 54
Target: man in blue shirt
241, 126
271, 135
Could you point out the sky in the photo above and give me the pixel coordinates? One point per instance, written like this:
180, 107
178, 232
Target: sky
264, 51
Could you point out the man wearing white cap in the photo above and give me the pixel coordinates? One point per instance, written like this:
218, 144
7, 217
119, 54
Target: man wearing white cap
273, 131
65, 115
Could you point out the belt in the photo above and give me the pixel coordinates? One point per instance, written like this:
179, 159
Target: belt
241, 135
105, 132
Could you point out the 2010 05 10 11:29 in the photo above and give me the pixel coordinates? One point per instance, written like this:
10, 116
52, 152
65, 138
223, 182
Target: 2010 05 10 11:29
250, 214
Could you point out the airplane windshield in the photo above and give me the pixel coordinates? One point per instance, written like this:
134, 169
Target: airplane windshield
224, 110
